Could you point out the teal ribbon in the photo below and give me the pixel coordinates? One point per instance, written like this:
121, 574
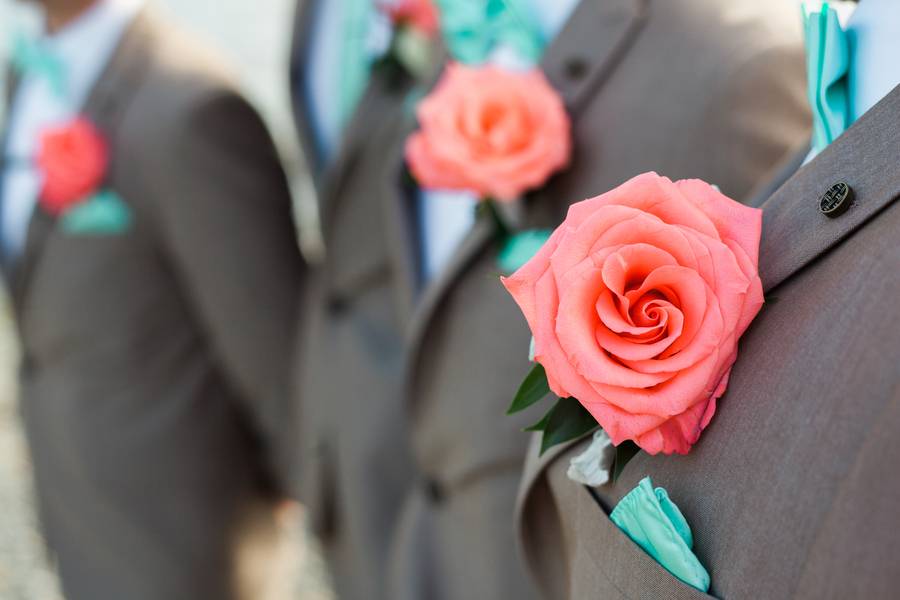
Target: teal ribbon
828, 65
33, 57
655, 523
473, 28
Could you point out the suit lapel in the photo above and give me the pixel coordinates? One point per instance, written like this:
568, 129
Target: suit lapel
577, 63
590, 46
398, 193
104, 107
12, 85
303, 21
326, 175
865, 157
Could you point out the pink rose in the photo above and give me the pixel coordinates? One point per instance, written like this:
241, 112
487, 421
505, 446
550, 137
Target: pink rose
495, 132
421, 15
636, 304
73, 159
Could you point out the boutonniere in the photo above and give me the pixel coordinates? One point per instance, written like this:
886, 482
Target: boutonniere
414, 25
636, 304
74, 159
494, 132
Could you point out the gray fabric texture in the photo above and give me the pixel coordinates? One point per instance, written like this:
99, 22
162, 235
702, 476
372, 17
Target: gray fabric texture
789, 491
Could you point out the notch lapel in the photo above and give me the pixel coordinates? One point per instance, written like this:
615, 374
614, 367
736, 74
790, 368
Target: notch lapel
398, 196
865, 157
302, 36
590, 45
596, 36
104, 107
383, 94
326, 176
12, 85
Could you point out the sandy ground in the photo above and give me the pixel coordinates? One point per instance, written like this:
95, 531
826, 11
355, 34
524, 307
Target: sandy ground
255, 37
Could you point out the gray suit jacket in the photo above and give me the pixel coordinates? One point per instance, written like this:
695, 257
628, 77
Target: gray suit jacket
690, 88
355, 462
790, 491
155, 367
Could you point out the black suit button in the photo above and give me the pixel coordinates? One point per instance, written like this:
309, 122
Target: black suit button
434, 492
836, 200
575, 68
337, 305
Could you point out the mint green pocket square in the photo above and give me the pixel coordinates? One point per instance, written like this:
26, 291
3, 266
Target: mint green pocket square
654, 523
104, 213
827, 66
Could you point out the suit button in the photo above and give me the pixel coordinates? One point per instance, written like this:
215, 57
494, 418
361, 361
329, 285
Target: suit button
575, 68
836, 200
434, 493
337, 305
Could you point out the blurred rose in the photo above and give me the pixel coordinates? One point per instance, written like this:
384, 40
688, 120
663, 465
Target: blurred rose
421, 15
73, 159
495, 132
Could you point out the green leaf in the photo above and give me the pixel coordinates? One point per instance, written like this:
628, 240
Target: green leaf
567, 420
624, 453
533, 388
487, 209
542, 424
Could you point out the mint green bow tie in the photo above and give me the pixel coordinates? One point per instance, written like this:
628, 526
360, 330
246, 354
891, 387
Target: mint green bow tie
473, 28
32, 57
828, 65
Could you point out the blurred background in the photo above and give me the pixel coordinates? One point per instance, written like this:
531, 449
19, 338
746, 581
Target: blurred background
255, 37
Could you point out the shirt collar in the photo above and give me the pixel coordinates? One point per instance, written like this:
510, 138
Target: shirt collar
86, 44
874, 32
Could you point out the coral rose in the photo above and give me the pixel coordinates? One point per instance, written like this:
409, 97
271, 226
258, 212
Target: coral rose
636, 304
494, 132
73, 159
421, 15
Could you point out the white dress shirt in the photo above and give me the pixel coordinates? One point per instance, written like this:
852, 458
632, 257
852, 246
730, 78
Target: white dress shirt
322, 84
84, 46
874, 31
446, 216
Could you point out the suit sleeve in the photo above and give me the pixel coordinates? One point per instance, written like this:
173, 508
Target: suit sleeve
224, 217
